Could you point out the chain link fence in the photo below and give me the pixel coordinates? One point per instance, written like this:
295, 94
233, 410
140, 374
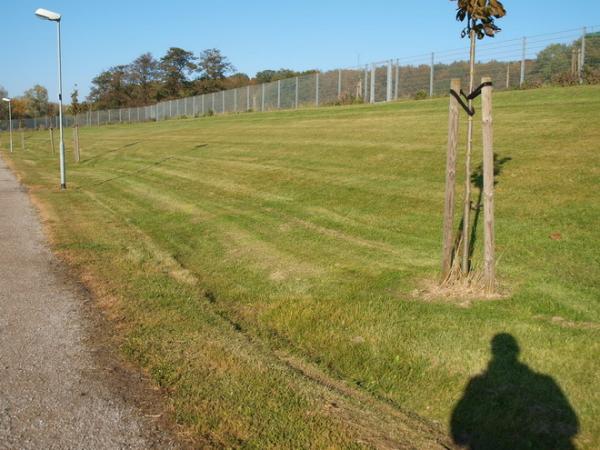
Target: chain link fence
511, 64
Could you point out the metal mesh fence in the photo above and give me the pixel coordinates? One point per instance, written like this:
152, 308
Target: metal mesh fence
510, 63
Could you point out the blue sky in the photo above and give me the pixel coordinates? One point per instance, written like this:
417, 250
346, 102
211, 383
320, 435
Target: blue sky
254, 35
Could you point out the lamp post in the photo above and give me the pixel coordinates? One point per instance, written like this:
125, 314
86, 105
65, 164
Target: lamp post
55, 17
9, 121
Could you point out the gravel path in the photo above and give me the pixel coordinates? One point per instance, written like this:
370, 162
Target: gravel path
56, 392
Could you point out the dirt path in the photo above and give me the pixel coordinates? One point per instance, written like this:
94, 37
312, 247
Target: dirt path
59, 388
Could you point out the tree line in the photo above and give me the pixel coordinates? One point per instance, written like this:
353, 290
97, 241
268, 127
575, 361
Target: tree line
179, 73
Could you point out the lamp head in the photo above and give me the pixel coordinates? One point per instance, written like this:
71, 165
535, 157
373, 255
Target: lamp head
4, 99
47, 15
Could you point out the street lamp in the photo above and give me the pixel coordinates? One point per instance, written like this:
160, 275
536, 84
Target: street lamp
55, 17
9, 121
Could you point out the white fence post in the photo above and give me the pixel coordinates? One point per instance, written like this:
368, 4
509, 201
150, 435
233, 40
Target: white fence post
366, 84
248, 98
317, 88
388, 96
339, 83
431, 75
372, 95
522, 79
278, 94
262, 104
582, 54
296, 102
397, 80
223, 101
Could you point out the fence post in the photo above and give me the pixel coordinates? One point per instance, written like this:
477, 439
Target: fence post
317, 88
582, 55
448, 226
488, 186
431, 75
223, 101
372, 93
109, 116
213, 102
194, 106
76, 143
507, 75
98, 117
388, 93
52, 139
522, 79
262, 102
235, 100
365, 84
248, 98
397, 80
297, 82
339, 83
203, 95
120, 115
278, 94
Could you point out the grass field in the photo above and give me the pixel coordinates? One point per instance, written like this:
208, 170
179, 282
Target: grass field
255, 262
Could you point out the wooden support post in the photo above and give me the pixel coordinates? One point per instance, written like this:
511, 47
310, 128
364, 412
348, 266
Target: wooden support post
448, 226
489, 263
52, 139
76, 143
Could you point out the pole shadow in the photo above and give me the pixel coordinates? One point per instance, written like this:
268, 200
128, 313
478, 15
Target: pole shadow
510, 406
477, 181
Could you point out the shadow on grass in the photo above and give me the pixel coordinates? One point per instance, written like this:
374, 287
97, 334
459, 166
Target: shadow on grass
477, 181
509, 406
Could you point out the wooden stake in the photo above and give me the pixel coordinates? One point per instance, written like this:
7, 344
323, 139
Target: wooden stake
76, 142
488, 187
52, 139
448, 226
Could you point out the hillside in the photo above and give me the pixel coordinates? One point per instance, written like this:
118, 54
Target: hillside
263, 267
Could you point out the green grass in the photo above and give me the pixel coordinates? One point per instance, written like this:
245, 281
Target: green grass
226, 241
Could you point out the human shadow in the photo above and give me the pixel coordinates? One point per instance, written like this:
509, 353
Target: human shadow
509, 406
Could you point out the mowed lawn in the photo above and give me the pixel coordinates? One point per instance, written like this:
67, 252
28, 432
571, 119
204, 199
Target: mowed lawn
238, 253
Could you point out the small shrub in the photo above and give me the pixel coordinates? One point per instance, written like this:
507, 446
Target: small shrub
591, 76
421, 95
565, 79
209, 113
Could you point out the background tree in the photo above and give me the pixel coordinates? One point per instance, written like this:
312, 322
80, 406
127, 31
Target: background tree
176, 66
3, 105
213, 68
144, 75
236, 80
111, 89
214, 65
36, 100
74, 107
